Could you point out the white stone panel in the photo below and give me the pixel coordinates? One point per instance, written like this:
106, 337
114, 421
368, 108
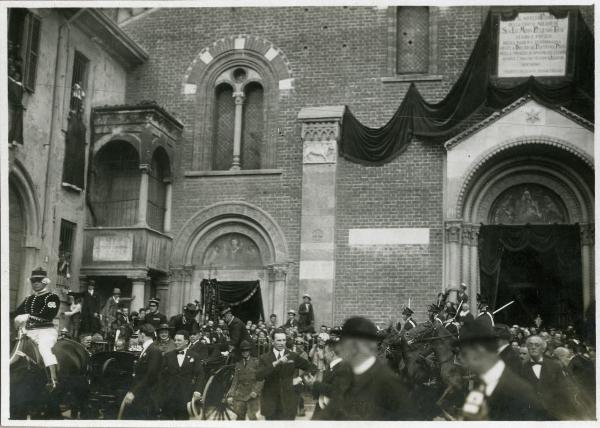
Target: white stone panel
206, 57
189, 89
239, 43
388, 236
286, 84
271, 54
317, 269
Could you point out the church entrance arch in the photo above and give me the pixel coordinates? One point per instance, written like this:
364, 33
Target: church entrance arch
235, 243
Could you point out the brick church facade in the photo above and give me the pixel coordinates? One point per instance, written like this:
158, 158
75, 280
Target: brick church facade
221, 161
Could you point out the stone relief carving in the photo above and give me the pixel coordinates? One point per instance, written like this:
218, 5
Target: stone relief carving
233, 249
528, 203
319, 152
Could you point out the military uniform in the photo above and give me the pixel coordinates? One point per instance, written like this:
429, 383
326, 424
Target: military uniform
155, 319
245, 383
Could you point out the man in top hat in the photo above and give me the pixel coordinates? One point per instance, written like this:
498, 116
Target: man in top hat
140, 398
498, 394
462, 294
243, 395
237, 332
291, 320
409, 323
90, 310
187, 319
375, 392
37, 313
109, 311
276, 368
153, 316
183, 375
164, 342
306, 316
484, 312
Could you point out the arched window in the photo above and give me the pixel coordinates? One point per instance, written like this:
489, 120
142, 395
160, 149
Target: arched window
239, 111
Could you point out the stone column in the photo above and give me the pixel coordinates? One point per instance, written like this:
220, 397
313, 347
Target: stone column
453, 230
162, 292
179, 285
138, 291
320, 134
237, 130
474, 265
143, 199
466, 236
168, 202
277, 278
587, 263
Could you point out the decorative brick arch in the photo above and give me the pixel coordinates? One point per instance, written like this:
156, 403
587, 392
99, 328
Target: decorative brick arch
485, 161
227, 217
23, 184
129, 138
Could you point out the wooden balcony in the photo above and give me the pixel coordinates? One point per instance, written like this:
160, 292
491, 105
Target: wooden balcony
125, 251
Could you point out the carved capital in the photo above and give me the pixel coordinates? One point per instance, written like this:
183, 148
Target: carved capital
587, 232
470, 234
320, 131
145, 168
453, 230
239, 97
279, 271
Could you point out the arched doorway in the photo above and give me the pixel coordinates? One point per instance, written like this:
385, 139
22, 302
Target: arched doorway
16, 234
527, 213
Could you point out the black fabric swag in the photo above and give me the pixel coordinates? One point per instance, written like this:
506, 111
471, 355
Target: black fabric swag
473, 97
15, 111
74, 162
244, 298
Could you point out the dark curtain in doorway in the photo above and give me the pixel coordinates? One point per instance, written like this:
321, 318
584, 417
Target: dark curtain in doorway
244, 298
538, 266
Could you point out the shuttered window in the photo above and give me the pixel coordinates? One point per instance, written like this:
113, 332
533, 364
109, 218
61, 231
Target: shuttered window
412, 40
224, 126
65, 251
253, 124
32, 46
80, 67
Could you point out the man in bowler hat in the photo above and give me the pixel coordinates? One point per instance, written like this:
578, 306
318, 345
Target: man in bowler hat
374, 392
498, 394
245, 389
237, 332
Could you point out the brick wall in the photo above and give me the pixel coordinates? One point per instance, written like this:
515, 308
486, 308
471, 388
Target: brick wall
337, 55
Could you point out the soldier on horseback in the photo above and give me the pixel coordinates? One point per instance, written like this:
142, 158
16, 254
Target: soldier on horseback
37, 312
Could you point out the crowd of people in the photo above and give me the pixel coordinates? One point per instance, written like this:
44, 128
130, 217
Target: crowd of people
513, 372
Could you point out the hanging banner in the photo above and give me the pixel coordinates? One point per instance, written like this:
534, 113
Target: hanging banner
533, 44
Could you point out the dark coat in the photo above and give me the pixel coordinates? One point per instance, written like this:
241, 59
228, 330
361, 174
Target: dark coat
511, 359
278, 396
377, 394
145, 379
179, 383
155, 319
335, 381
90, 305
244, 380
487, 318
237, 333
180, 322
204, 350
306, 321
551, 388
513, 399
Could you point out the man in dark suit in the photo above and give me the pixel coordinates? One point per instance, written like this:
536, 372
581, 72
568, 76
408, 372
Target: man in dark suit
498, 393
374, 392
186, 320
140, 397
306, 323
336, 379
90, 310
547, 379
183, 377
237, 333
276, 368
154, 316
508, 354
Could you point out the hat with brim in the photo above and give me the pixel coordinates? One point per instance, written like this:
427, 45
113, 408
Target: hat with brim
163, 327
307, 296
245, 346
407, 311
38, 273
154, 300
476, 331
226, 310
190, 307
291, 311
116, 291
359, 328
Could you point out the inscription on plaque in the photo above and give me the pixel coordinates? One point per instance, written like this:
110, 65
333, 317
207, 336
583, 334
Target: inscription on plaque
113, 248
533, 44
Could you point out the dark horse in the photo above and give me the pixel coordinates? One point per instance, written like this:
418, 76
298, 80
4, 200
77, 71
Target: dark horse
425, 359
28, 378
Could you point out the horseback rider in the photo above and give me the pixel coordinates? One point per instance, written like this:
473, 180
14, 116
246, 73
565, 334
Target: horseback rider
37, 312
485, 315
434, 315
409, 323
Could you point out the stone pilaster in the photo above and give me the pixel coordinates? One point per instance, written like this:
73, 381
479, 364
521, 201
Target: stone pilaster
453, 244
320, 134
587, 233
277, 280
180, 281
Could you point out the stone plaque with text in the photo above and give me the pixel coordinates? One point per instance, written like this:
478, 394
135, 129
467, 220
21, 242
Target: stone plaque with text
113, 248
533, 44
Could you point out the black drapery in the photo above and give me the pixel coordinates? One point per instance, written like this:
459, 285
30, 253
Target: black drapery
474, 96
244, 298
544, 258
74, 162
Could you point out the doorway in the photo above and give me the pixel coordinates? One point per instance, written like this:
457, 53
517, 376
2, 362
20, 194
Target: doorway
536, 266
243, 297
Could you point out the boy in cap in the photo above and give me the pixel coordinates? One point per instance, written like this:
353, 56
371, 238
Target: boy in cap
243, 396
306, 321
154, 317
37, 312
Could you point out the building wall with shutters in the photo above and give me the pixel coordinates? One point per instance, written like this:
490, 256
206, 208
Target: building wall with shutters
337, 56
36, 166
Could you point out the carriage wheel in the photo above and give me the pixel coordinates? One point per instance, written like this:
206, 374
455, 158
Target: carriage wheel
215, 406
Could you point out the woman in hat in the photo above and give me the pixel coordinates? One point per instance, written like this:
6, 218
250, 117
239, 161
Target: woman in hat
37, 313
306, 321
